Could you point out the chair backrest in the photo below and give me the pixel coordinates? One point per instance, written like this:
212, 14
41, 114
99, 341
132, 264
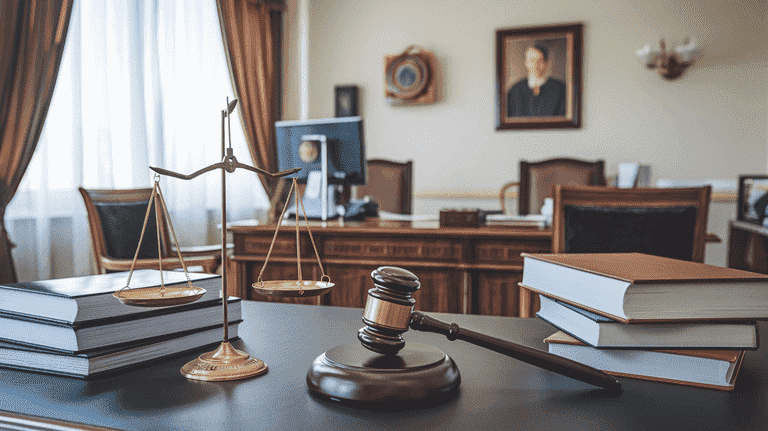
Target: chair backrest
669, 222
537, 179
116, 217
390, 184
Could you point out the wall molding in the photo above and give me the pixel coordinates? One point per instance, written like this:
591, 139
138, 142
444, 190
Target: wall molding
494, 194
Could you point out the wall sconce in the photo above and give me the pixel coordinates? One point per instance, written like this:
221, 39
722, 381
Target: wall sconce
669, 64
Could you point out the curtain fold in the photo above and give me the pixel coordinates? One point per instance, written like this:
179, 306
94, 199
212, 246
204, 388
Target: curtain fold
251, 34
141, 83
33, 39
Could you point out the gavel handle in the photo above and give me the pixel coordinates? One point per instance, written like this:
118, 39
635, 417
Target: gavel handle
539, 358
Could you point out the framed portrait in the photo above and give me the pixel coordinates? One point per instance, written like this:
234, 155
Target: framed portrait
346, 101
753, 199
538, 77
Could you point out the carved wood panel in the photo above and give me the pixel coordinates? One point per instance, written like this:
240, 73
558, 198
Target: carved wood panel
497, 293
285, 246
508, 252
441, 290
352, 284
460, 270
393, 249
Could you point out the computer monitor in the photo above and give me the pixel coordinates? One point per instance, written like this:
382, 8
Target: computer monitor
329, 152
344, 139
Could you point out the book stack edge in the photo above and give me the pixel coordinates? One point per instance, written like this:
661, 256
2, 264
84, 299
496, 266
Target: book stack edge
648, 317
75, 327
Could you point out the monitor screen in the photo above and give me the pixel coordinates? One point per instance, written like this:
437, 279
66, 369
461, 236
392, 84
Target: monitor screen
346, 151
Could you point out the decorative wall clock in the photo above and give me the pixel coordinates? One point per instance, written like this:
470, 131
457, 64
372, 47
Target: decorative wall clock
410, 77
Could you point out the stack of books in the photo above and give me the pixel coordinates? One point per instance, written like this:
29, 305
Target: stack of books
531, 220
649, 317
75, 327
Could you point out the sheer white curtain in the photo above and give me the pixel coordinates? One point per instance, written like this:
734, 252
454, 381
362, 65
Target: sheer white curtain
141, 84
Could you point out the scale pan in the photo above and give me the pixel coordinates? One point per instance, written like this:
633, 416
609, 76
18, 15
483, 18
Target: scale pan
292, 288
156, 297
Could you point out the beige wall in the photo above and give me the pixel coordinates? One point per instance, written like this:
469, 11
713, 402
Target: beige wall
711, 123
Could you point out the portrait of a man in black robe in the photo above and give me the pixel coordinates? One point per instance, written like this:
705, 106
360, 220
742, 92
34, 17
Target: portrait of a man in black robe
538, 77
538, 94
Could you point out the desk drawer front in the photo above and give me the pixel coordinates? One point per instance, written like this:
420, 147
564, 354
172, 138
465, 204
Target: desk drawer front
284, 246
391, 249
508, 253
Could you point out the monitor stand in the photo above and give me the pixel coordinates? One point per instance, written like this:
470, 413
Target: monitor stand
313, 199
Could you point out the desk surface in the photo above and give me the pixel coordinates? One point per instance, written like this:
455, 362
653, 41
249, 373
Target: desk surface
394, 227
496, 392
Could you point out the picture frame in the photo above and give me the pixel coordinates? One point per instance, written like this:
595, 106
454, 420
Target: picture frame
538, 77
752, 199
346, 97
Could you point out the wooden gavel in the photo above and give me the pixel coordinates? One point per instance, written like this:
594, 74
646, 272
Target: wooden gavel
389, 313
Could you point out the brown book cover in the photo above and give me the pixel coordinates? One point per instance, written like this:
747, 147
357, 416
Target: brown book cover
638, 268
637, 288
731, 356
607, 333
638, 321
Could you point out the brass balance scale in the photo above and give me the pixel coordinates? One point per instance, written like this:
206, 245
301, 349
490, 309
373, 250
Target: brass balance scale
226, 362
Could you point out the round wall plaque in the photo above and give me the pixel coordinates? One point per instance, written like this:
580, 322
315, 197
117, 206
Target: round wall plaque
408, 74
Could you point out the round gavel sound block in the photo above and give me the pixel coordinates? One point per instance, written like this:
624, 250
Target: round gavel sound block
382, 367
382, 371
388, 309
351, 375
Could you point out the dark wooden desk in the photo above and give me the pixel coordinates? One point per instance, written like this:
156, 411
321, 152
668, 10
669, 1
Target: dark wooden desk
748, 247
496, 392
462, 270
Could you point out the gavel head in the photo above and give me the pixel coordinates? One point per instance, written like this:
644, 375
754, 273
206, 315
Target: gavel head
388, 310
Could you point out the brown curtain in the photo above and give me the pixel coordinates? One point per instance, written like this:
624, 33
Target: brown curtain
251, 31
33, 34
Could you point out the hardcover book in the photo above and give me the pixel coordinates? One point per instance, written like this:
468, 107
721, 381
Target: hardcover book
635, 287
101, 333
715, 369
107, 361
602, 332
79, 299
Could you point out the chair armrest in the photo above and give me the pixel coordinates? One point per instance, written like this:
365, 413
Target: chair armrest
503, 193
209, 263
198, 250
712, 237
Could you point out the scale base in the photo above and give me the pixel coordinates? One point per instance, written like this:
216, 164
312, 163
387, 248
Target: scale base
418, 376
224, 363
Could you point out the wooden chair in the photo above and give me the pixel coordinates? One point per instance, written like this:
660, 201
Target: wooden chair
116, 217
537, 178
390, 184
669, 222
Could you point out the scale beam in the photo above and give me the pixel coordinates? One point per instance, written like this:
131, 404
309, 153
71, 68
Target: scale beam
226, 362
229, 164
